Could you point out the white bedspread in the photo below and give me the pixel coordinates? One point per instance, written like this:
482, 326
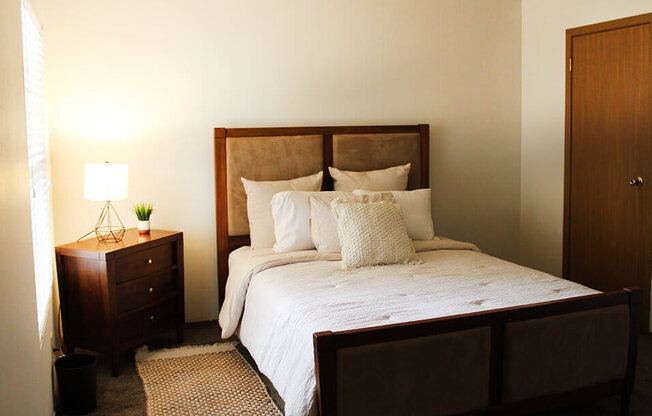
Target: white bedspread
287, 297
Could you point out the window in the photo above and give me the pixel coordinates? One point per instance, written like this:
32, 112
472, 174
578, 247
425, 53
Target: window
37, 150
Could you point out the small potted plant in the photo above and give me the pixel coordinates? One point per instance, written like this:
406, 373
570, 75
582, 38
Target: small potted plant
143, 212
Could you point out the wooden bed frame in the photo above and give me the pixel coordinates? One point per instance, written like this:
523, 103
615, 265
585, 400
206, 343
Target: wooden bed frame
227, 243
329, 344
339, 384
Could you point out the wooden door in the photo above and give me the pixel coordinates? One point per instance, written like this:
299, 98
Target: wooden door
607, 219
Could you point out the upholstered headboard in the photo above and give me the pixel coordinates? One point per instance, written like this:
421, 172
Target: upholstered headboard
278, 153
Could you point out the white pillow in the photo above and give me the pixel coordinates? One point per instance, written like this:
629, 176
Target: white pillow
291, 213
259, 209
390, 179
372, 233
323, 225
415, 206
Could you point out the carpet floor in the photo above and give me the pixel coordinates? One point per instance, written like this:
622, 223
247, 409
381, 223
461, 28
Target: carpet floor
124, 395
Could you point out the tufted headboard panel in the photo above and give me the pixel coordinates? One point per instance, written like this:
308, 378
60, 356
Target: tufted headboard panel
271, 158
362, 152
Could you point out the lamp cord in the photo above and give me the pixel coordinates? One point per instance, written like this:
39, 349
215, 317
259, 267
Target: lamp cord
60, 329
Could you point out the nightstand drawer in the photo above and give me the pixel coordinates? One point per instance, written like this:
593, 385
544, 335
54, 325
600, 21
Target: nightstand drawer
140, 292
144, 262
136, 327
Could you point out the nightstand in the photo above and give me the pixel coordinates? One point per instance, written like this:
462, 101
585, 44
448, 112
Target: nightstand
115, 296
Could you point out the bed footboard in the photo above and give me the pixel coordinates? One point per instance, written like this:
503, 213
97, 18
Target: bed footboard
513, 360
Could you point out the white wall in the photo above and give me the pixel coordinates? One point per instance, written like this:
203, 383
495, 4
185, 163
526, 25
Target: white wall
26, 383
144, 83
542, 141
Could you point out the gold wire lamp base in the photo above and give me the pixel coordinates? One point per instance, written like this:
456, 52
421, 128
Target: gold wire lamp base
104, 230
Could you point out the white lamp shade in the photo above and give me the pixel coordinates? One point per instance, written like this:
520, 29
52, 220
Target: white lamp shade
105, 181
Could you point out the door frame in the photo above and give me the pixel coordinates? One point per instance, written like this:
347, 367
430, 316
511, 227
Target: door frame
570, 35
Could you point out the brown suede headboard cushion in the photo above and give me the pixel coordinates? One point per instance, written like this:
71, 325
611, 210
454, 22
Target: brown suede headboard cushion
273, 158
363, 152
266, 159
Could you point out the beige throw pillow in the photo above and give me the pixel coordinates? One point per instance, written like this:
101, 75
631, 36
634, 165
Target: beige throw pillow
372, 233
390, 179
259, 204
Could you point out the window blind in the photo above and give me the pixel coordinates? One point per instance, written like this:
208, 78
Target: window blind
37, 151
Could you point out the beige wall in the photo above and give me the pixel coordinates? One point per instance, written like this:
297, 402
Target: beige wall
26, 383
145, 82
542, 141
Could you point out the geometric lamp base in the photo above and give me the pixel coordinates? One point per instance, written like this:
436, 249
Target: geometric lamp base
104, 230
109, 233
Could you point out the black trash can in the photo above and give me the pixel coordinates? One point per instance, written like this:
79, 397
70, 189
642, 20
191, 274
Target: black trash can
77, 379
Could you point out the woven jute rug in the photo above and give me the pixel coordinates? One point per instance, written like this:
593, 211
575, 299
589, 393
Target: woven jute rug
202, 380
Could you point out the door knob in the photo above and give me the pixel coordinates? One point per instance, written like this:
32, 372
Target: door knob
638, 181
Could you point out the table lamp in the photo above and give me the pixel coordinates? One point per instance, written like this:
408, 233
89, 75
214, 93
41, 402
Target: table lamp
106, 182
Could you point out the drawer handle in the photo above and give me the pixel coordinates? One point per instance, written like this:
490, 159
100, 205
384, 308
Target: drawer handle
150, 290
151, 318
149, 261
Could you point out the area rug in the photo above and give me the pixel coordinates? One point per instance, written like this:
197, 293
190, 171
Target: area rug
202, 380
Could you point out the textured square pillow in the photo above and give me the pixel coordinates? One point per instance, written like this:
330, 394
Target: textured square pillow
291, 213
259, 204
323, 225
390, 179
372, 233
415, 206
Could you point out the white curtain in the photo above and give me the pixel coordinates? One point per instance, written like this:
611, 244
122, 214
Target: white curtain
37, 153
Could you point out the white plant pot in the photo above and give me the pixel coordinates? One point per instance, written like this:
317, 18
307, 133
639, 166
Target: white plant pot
143, 227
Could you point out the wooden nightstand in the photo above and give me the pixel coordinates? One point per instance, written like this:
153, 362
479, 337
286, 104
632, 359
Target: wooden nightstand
115, 296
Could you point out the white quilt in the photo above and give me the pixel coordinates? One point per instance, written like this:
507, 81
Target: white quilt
286, 297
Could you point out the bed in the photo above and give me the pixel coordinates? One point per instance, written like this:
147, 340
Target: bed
460, 333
